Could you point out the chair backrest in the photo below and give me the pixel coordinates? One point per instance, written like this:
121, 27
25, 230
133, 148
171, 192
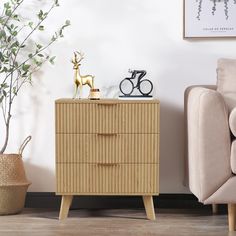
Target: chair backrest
226, 81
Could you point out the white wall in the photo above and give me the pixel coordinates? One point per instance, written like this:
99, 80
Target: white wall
117, 35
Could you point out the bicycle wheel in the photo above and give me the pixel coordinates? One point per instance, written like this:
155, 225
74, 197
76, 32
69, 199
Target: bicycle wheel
126, 87
145, 87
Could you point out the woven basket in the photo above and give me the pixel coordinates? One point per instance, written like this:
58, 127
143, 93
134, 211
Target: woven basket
13, 182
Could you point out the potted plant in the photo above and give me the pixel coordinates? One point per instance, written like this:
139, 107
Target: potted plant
19, 60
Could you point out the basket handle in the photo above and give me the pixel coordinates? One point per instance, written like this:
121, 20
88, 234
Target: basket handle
23, 145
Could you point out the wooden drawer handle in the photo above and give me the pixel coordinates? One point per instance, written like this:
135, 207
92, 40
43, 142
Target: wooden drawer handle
107, 104
107, 164
106, 134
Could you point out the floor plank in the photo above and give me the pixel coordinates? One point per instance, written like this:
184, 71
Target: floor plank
35, 222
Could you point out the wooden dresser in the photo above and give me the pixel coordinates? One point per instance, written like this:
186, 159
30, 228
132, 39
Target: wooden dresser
107, 147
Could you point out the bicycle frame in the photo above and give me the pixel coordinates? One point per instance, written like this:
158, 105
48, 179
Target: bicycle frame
141, 73
136, 74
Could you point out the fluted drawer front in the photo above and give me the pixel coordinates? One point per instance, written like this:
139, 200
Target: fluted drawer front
133, 179
139, 118
107, 117
75, 118
108, 148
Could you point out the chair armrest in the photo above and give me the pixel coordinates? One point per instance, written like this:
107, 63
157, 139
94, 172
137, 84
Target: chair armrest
186, 94
208, 139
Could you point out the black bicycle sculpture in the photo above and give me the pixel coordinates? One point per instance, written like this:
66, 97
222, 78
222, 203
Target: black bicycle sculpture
144, 86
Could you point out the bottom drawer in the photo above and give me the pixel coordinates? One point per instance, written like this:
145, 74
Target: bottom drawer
107, 179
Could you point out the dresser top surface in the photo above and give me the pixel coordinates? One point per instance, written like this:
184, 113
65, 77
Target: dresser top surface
102, 101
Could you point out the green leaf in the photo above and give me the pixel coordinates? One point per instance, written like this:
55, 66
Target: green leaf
37, 63
31, 24
40, 15
14, 90
2, 34
4, 69
53, 39
13, 50
15, 44
16, 17
67, 22
14, 33
4, 93
4, 85
51, 60
30, 55
39, 46
25, 74
9, 28
7, 5
1, 57
8, 12
56, 3
1, 99
25, 67
30, 79
41, 27
40, 55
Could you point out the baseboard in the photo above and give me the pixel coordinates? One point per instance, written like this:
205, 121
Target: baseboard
50, 200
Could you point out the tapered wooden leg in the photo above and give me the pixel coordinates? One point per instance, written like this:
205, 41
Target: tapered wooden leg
214, 209
232, 216
148, 204
66, 201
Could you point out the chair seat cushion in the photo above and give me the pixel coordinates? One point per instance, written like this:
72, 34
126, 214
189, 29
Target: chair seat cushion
226, 81
232, 121
233, 157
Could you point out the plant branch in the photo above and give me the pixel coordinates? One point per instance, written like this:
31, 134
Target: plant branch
21, 84
15, 69
8, 119
33, 55
4, 114
23, 42
9, 17
35, 28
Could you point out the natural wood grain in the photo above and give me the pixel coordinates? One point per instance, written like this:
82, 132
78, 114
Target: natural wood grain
107, 147
65, 206
103, 179
232, 216
149, 207
119, 222
92, 117
100, 148
105, 101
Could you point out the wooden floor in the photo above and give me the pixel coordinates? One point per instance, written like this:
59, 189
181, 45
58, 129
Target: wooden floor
115, 222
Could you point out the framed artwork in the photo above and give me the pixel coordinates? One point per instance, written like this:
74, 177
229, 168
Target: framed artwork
209, 18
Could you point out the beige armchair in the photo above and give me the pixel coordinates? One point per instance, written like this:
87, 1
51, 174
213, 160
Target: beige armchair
211, 140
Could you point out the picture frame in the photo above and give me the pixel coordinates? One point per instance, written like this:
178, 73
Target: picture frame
209, 19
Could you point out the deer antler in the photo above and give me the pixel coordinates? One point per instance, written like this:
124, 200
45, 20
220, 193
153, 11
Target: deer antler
81, 56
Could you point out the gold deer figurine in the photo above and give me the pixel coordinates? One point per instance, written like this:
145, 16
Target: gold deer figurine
79, 79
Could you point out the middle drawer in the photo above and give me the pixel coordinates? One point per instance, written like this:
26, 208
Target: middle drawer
107, 148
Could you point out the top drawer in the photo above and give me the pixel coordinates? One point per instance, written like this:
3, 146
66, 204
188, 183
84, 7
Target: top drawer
106, 116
